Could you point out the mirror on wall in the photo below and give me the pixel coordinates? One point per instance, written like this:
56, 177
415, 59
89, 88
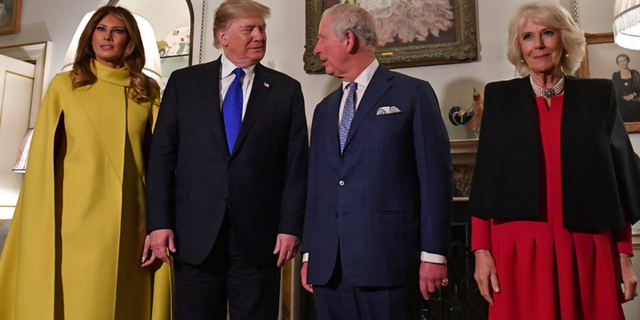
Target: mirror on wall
172, 24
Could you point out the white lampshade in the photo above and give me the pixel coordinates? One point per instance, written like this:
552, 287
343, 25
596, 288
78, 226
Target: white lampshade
20, 165
626, 23
152, 67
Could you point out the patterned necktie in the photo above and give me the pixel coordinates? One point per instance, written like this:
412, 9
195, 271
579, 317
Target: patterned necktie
347, 114
232, 109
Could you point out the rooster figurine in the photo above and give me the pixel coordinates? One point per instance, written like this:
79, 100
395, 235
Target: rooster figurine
472, 117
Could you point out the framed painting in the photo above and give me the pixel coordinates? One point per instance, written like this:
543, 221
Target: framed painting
9, 16
435, 32
605, 59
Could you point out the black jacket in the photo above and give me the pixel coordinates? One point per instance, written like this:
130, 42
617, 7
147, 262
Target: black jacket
600, 176
192, 178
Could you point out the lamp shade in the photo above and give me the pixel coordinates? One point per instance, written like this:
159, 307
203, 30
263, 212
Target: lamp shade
152, 67
20, 165
626, 23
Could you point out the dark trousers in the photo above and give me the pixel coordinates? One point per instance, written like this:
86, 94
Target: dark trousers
202, 291
340, 300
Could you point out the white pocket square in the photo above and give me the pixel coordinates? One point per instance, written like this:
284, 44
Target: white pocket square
387, 110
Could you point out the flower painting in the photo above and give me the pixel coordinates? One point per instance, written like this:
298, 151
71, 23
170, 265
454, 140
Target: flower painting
408, 21
410, 32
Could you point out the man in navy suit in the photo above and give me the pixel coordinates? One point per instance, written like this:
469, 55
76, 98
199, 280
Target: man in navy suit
380, 182
226, 183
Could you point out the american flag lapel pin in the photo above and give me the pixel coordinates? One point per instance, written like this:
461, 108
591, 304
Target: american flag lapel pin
266, 85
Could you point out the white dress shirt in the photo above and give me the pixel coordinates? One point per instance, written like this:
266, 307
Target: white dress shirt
227, 76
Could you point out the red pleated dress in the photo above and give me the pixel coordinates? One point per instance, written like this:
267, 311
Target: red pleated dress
546, 271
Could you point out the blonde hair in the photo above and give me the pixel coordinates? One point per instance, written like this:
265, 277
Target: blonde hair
235, 9
554, 16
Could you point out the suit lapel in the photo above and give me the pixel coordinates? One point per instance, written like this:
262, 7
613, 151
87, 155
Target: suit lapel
571, 99
260, 91
524, 90
333, 110
211, 101
573, 104
377, 87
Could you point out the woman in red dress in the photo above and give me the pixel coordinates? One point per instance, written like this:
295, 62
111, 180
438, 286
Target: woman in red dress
556, 184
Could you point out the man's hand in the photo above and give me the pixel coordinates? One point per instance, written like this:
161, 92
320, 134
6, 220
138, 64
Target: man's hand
159, 241
287, 246
303, 278
432, 276
486, 274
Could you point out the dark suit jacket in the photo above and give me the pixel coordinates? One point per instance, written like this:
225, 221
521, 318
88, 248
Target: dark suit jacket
600, 175
388, 197
192, 179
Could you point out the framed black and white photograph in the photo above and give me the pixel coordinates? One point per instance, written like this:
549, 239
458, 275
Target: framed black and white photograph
410, 32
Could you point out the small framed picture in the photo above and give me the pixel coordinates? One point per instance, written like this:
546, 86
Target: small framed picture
9, 16
605, 59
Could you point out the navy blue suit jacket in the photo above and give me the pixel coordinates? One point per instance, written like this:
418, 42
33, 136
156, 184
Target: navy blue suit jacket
192, 179
388, 197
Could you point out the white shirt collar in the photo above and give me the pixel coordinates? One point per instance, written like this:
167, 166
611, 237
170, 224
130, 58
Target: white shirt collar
365, 76
228, 67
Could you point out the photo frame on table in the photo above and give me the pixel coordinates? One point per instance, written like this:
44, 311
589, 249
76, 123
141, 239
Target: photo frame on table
10, 16
435, 33
601, 61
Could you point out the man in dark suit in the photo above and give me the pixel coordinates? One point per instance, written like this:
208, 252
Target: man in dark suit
380, 182
226, 182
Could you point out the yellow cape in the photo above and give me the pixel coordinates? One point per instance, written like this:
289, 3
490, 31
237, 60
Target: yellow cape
74, 246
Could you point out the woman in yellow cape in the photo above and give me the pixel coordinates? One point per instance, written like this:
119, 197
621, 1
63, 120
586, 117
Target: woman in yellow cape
74, 247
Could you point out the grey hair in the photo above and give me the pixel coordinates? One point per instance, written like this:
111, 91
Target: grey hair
351, 17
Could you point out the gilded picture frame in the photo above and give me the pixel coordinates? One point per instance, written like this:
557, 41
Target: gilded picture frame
10, 16
600, 61
451, 37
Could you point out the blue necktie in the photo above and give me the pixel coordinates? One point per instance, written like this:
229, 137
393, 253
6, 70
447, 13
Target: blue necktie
347, 114
232, 109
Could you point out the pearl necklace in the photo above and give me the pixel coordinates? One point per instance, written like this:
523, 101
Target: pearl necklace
547, 92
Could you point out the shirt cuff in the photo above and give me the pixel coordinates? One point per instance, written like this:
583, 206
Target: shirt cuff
432, 258
424, 256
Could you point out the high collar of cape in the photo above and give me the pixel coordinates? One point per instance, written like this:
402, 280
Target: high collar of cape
118, 77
